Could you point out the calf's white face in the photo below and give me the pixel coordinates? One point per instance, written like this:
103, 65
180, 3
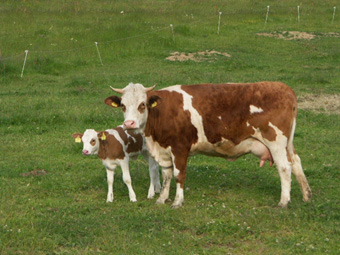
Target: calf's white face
90, 142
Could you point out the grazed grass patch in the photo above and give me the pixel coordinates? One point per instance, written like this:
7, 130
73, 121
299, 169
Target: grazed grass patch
200, 56
298, 35
320, 103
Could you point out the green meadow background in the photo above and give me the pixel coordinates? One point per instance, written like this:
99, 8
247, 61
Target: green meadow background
230, 207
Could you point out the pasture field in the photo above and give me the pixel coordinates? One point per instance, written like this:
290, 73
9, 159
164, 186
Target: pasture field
52, 198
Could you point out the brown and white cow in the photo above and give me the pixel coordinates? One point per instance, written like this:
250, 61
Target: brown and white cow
115, 147
225, 120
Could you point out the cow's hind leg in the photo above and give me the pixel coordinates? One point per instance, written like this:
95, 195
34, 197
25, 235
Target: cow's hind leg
300, 176
155, 185
284, 168
278, 150
167, 176
297, 167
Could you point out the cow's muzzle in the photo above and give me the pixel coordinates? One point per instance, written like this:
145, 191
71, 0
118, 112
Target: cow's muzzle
129, 124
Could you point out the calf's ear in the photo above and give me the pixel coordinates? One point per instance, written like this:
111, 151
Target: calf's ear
77, 137
154, 101
102, 135
113, 101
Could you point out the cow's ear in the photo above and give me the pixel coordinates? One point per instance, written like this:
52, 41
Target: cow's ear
154, 101
77, 137
113, 101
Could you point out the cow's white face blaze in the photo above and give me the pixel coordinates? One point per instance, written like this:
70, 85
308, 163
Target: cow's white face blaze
133, 103
90, 142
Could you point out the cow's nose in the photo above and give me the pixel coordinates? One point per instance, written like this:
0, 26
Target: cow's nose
129, 124
85, 152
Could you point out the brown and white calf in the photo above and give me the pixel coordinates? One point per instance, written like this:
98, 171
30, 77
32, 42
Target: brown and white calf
115, 147
225, 120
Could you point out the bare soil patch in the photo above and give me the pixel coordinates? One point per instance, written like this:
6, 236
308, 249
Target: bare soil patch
297, 35
37, 172
197, 56
323, 103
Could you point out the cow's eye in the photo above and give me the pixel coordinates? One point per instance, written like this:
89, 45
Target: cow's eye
123, 108
93, 142
141, 107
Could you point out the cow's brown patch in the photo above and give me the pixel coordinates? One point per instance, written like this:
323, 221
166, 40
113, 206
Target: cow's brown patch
168, 123
231, 102
141, 107
199, 56
320, 103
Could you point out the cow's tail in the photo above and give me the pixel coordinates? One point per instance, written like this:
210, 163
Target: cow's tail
290, 145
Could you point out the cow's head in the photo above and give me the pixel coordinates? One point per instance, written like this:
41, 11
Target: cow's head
134, 105
90, 141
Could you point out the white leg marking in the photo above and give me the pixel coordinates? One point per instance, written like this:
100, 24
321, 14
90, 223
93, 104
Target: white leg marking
279, 153
179, 199
110, 179
285, 172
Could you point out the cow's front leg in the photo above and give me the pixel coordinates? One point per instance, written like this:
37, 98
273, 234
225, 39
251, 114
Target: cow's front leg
180, 165
127, 179
110, 178
167, 175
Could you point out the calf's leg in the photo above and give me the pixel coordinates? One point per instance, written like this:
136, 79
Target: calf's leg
127, 179
110, 178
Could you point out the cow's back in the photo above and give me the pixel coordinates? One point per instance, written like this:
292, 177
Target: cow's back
190, 114
230, 110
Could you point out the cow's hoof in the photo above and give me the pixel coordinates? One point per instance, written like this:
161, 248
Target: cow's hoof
176, 206
160, 201
307, 197
283, 205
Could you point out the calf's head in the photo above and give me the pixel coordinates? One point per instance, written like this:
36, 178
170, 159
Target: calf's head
134, 105
90, 141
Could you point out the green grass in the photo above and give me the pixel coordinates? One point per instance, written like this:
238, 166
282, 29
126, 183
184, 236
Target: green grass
230, 207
